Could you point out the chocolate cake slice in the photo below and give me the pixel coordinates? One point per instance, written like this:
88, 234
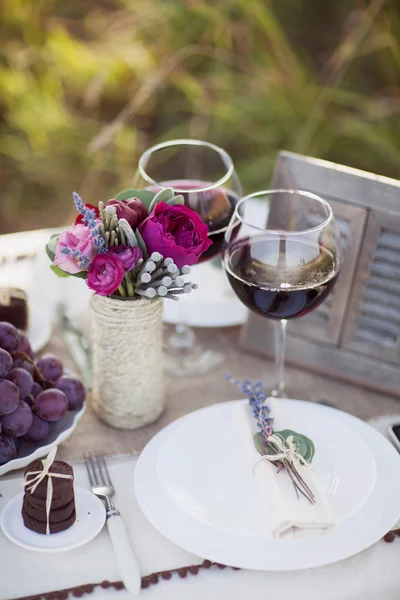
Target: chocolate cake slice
14, 307
56, 516
62, 512
41, 526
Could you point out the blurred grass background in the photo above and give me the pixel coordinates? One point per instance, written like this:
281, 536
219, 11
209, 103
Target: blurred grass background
86, 86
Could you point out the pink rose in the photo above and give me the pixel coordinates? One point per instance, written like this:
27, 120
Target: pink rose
176, 232
75, 248
105, 274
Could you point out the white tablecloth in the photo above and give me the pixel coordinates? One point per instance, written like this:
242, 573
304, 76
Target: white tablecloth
373, 574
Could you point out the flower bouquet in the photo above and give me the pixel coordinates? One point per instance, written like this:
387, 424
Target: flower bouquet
132, 251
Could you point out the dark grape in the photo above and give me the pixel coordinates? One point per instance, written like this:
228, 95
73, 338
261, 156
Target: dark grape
36, 389
9, 397
50, 366
24, 344
51, 405
9, 337
8, 450
74, 389
17, 443
18, 422
23, 380
6, 362
38, 431
24, 363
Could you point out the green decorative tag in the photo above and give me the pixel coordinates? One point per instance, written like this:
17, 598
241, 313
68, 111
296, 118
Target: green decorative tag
305, 447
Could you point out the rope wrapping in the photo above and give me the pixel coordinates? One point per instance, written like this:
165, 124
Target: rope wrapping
127, 359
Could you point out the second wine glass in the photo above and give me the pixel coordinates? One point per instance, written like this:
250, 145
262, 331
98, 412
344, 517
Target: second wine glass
284, 269
204, 174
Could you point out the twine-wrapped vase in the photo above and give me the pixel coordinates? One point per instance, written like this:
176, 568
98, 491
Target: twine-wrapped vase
128, 386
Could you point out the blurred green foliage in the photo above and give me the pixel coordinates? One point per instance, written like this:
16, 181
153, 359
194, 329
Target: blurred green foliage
87, 85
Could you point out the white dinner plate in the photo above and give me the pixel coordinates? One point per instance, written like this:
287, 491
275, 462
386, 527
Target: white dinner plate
90, 518
202, 504
59, 432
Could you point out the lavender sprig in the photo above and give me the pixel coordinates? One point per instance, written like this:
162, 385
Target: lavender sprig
256, 395
90, 220
82, 261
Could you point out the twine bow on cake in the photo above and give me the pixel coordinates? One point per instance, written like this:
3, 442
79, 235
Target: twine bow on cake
39, 476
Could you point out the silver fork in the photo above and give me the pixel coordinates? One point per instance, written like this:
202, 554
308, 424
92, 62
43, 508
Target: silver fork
102, 487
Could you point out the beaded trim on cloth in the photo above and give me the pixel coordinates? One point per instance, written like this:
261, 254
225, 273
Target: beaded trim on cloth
147, 581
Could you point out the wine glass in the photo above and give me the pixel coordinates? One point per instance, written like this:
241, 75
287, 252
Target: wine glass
204, 174
284, 269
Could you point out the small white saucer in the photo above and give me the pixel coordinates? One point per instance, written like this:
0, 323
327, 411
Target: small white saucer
90, 518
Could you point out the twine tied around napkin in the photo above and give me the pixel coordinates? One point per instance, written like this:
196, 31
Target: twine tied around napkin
31, 484
287, 450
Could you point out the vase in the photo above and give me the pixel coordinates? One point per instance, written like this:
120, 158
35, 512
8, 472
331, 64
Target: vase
127, 361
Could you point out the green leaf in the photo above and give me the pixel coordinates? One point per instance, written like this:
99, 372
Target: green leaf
142, 245
176, 200
145, 196
63, 274
81, 274
59, 272
259, 443
163, 195
51, 246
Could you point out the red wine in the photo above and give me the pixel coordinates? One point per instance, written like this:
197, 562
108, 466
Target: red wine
280, 282
215, 207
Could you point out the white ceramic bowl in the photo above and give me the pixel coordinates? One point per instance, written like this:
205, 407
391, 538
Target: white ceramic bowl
59, 432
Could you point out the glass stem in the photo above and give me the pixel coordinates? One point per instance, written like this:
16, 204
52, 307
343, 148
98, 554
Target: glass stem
183, 339
280, 342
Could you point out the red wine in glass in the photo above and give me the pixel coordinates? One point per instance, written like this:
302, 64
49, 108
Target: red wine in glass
270, 286
214, 205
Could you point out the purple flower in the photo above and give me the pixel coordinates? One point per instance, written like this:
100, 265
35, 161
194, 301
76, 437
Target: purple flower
132, 210
128, 256
176, 232
105, 274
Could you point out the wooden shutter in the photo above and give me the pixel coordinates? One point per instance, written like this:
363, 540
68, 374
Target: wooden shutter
373, 321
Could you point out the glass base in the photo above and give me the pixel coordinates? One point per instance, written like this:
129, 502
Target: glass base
197, 362
184, 357
275, 393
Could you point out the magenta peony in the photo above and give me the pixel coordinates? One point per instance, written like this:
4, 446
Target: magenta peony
133, 210
105, 274
128, 256
176, 232
74, 245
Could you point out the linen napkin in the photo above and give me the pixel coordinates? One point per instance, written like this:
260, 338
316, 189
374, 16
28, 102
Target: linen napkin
284, 514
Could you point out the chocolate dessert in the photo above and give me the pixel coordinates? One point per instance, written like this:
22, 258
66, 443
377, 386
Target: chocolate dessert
14, 307
62, 502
